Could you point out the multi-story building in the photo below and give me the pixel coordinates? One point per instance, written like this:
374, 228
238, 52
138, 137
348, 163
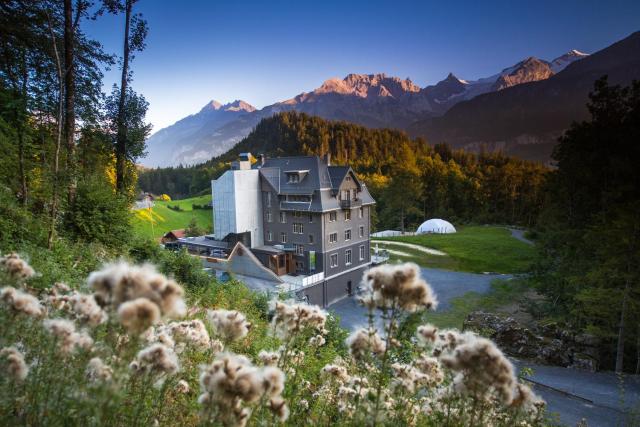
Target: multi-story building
304, 219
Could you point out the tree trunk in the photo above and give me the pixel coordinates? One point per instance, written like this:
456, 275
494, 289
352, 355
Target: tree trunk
22, 170
121, 138
638, 352
56, 159
621, 327
69, 99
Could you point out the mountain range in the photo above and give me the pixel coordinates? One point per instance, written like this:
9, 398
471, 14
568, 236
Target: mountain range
521, 109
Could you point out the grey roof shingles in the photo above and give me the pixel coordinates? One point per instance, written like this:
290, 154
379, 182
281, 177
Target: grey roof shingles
321, 182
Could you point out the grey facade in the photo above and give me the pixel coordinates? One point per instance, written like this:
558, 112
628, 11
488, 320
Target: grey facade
316, 218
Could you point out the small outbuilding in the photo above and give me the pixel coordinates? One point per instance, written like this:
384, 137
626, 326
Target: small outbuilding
437, 226
173, 236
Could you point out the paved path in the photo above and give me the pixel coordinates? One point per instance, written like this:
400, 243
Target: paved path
411, 246
570, 394
599, 397
519, 234
446, 285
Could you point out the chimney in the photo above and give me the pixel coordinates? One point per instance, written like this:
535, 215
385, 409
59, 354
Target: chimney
327, 158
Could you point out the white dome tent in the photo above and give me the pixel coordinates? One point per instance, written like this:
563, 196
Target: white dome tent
436, 225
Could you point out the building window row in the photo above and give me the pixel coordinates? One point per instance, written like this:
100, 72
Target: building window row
283, 217
361, 231
347, 235
299, 249
333, 260
362, 253
333, 237
333, 216
347, 257
283, 237
298, 228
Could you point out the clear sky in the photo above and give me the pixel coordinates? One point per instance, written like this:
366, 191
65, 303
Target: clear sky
268, 51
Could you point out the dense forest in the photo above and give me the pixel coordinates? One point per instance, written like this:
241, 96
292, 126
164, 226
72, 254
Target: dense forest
590, 228
488, 187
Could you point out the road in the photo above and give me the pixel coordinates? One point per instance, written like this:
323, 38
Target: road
446, 285
570, 393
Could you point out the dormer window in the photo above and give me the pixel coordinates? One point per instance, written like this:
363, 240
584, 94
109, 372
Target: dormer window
296, 176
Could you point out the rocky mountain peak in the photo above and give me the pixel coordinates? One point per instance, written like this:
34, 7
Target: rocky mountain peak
529, 70
239, 105
561, 62
212, 105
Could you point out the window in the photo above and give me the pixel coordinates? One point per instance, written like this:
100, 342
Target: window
361, 231
298, 249
361, 252
310, 218
283, 217
347, 257
345, 195
333, 216
360, 212
269, 199
311, 239
333, 237
347, 235
283, 237
347, 215
347, 178
333, 260
293, 178
269, 216
355, 194
298, 198
298, 228
269, 236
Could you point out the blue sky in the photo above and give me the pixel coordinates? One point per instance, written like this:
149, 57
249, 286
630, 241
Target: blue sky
267, 51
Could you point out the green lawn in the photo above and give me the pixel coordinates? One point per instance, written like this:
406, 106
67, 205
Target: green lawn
502, 294
474, 249
161, 219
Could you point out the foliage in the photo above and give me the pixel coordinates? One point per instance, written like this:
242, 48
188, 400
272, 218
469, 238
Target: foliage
442, 182
193, 229
589, 234
99, 214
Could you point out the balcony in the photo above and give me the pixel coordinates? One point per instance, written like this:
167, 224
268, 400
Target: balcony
350, 203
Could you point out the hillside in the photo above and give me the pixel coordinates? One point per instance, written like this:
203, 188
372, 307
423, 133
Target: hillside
526, 120
442, 182
154, 223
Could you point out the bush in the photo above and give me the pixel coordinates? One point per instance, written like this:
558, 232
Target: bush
99, 214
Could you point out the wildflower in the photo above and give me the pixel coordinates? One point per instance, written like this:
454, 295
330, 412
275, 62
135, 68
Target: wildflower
138, 314
118, 283
60, 288
183, 387
430, 366
157, 358
524, 397
365, 341
191, 332
481, 367
231, 381
231, 325
65, 332
317, 341
16, 267
21, 302
397, 285
87, 310
98, 371
335, 371
303, 404
292, 318
427, 333
269, 358
16, 366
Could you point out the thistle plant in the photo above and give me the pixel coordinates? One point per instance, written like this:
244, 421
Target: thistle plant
125, 349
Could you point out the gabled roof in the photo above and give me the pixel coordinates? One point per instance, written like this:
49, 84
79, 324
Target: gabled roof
321, 182
177, 233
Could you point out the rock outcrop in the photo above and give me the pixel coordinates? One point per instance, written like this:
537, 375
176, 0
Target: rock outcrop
549, 344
